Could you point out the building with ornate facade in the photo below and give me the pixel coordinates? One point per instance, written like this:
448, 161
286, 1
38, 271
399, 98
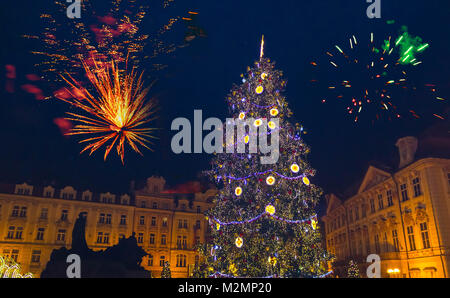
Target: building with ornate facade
402, 215
36, 220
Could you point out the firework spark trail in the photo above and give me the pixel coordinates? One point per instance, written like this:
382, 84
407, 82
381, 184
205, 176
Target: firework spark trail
116, 114
375, 81
115, 34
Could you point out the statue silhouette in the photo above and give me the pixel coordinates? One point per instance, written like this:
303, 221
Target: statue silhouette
118, 261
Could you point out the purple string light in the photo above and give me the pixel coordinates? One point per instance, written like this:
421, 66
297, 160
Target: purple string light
259, 216
265, 172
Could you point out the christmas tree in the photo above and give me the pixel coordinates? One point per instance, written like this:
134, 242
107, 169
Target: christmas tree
353, 270
166, 270
264, 222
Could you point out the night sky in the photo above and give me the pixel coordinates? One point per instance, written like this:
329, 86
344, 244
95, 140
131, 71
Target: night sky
200, 76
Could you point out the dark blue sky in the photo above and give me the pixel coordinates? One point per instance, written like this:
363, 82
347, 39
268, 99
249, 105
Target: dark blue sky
200, 76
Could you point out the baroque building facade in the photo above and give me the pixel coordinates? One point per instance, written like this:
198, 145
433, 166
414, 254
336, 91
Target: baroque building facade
36, 220
403, 216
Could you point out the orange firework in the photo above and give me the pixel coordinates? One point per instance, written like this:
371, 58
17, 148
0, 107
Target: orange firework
116, 114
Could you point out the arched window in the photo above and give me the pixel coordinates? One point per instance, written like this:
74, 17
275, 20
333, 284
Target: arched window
181, 261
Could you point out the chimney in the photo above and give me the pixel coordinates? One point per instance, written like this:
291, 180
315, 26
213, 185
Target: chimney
407, 147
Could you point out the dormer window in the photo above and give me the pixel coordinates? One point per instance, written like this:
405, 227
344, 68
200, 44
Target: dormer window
23, 189
49, 192
68, 193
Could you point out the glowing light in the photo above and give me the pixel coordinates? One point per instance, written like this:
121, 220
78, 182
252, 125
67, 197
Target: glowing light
239, 242
238, 191
263, 75
259, 89
314, 224
10, 269
272, 260
246, 139
257, 122
305, 180
295, 168
270, 209
270, 180
271, 125
274, 112
217, 226
241, 115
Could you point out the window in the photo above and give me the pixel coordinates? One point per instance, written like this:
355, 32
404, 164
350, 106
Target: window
372, 205
184, 242
199, 210
48, 194
36, 256
350, 215
142, 204
15, 211
155, 205
150, 260
140, 238
101, 219
11, 231
163, 239
185, 224
142, 220
412, 243
100, 237
424, 233
180, 223
106, 238
162, 260
181, 261
44, 213
164, 222
108, 219
395, 240
61, 235
123, 220
363, 211
179, 242
385, 243
19, 232
183, 206
390, 202
15, 255
377, 244
380, 201
152, 239
356, 213
23, 212
404, 191
64, 215
153, 221
197, 224
40, 234
416, 186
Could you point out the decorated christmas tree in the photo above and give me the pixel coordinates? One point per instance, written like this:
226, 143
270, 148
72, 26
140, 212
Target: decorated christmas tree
353, 270
166, 273
264, 222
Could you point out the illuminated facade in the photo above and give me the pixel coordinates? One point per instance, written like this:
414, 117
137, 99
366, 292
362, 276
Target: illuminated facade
34, 221
402, 215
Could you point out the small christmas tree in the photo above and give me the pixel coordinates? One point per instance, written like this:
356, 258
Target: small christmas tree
166, 270
353, 270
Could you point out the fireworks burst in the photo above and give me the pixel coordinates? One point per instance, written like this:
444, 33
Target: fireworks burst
116, 114
114, 33
374, 79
